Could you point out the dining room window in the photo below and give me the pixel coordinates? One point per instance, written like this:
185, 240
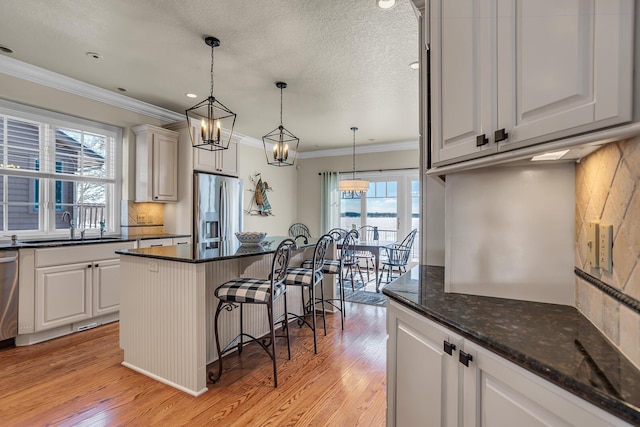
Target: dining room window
392, 204
52, 163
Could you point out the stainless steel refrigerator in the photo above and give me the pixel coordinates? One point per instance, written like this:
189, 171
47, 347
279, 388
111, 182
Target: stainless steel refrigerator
217, 209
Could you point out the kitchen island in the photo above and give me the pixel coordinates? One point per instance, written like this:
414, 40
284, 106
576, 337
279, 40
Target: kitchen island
167, 305
513, 360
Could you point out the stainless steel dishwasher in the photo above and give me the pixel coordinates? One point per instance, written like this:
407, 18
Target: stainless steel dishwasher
8, 294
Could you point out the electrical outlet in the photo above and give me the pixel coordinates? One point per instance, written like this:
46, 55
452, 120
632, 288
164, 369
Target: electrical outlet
605, 244
592, 244
141, 218
153, 266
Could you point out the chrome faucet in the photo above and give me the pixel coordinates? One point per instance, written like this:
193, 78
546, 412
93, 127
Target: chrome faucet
66, 216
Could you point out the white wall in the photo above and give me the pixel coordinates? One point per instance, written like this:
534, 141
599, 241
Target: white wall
283, 201
511, 232
433, 199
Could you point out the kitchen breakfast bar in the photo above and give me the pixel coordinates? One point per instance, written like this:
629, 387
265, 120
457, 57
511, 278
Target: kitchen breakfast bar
167, 305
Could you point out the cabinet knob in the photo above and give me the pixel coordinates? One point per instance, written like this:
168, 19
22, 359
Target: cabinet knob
449, 348
96, 265
500, 135
89, 266
465, 358
481, 140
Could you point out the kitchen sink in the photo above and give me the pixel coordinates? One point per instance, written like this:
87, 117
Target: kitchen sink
70, 241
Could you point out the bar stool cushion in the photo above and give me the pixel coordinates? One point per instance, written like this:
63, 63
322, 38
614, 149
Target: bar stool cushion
302, 277
248, 290
330, 266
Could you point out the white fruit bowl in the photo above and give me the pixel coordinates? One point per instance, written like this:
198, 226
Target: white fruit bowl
250, 237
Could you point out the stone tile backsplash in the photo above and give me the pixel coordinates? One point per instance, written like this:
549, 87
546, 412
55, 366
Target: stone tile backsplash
608, 192
142, 218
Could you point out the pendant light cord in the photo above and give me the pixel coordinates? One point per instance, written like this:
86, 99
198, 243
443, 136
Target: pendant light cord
211, 94
281, 106
354, 153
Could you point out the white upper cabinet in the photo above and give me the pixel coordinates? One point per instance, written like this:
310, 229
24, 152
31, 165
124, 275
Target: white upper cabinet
507, 74
221, 162
156, 164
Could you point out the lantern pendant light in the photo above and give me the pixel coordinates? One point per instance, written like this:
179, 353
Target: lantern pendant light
211, 123
280, 142
353, 187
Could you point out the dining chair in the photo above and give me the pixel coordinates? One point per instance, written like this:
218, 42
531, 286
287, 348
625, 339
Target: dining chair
299, 229
307, 279
350, 259
397, 255
367, 233
237, 292
335, 267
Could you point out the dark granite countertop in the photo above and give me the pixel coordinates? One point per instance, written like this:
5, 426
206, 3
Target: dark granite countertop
228, 249
52, 242
553, 341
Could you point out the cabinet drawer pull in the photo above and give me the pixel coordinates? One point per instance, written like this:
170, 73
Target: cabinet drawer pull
154, 246
481, 140
465, 358
500, 135
449, 348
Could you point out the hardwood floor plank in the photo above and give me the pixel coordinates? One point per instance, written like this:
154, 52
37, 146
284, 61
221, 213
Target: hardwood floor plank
78, 380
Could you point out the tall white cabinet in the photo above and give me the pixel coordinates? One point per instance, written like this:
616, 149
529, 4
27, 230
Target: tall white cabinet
156, 164
437, 378
507, 74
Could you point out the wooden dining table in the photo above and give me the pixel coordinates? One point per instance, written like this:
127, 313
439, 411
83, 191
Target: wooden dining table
374, 247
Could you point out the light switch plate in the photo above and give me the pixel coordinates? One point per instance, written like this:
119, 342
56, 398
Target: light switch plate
141, 218
605, 239
592, 244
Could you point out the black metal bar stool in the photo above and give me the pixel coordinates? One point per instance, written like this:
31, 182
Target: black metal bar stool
237, 292
335, 266
307, 279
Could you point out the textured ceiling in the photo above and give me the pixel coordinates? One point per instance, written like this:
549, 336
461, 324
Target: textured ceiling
346, 61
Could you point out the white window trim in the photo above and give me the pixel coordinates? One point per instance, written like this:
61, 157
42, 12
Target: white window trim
39, 115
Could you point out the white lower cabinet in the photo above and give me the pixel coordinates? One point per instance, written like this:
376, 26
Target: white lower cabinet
181, 241
63, 295
153, 243
65, 289
72, 292
428, 387
105, 281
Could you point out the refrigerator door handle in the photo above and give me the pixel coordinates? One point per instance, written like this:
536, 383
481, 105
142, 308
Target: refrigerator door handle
224, 214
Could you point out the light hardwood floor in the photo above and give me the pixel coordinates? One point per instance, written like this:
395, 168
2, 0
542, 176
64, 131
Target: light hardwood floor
77, 380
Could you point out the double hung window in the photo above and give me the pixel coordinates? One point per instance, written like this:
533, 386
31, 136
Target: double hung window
51, 164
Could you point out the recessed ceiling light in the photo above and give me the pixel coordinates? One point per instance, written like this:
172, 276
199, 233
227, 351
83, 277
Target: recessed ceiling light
414, 65
190, 95
121, 89
549, 156
6, 49
93, 55
386, 4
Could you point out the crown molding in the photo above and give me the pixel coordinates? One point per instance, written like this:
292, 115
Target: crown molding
365, 149
24, 71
